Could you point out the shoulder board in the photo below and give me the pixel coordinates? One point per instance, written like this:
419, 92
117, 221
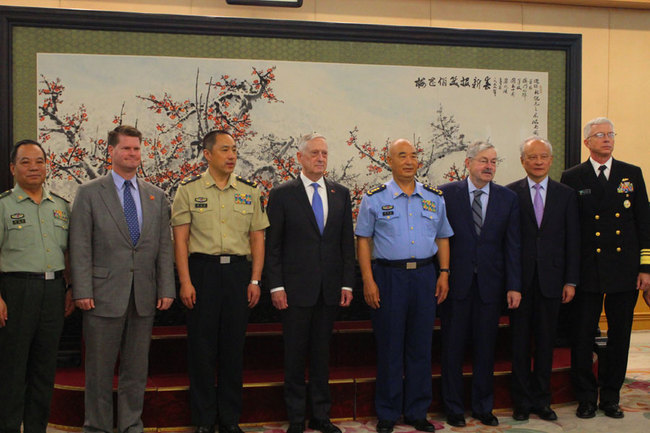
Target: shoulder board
247, 182
190, 180
432, 189
5, 194
376, 189
58, 196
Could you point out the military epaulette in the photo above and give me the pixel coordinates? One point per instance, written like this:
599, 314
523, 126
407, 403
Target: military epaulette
58, 196
247, 182
6, 193
376, 189
432, 189
190, 180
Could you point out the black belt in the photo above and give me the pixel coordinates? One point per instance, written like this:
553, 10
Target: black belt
405, 264
35, 275
223, 259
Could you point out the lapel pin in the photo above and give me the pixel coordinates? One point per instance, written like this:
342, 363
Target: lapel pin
151, 197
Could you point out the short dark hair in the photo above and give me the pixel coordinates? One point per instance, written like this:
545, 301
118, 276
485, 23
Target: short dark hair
129, 131
211, 138
14, 150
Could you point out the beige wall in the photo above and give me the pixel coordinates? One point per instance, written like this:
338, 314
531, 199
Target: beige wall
615, 59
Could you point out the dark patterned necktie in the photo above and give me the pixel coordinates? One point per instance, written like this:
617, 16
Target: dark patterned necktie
131, 213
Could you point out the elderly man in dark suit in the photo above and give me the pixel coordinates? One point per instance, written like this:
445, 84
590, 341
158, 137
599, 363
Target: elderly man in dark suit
550, 242
485, 265
310, 269
122, 271
615, 264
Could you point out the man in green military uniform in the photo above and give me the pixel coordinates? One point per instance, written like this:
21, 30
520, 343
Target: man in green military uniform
33, 297
218, 221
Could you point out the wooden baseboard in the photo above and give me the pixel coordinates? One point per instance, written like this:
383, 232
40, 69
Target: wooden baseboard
641, 321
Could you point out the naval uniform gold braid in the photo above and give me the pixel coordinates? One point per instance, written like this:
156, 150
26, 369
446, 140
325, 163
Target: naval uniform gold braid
645, 256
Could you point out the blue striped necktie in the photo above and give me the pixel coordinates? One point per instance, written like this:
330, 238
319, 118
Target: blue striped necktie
477, 211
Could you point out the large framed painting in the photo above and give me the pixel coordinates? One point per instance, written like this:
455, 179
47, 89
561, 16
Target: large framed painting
68, 77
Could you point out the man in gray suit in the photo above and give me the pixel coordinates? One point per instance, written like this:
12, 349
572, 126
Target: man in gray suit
122, 270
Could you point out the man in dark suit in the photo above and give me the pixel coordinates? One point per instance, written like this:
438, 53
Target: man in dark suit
550, 247
615, 264
485, 264
310, 269
121, 257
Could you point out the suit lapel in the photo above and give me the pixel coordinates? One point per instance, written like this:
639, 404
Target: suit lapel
303, 200
333, 205
467, 209
525, 201
109, 193
550, 205
148, 207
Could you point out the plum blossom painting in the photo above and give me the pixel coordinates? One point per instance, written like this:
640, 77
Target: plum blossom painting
267, 104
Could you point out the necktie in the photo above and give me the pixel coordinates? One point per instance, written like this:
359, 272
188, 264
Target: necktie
538, 204
477, 211
317, 206
131, 213
601, 177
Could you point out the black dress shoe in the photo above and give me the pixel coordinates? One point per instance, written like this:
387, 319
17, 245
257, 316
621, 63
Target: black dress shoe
385, 426
456, 419
323, 425
545, 413
229, 428
611, 410
486, 418
204, 429
586, 409
420, 424
520, 414
296, 427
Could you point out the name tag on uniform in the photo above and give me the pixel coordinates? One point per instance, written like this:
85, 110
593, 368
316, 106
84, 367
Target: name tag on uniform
18, 218
584, 191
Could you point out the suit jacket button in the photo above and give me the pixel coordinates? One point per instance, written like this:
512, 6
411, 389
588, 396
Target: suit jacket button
598, 250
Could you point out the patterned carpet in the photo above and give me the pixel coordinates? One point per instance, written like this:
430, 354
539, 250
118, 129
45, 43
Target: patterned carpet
635, 402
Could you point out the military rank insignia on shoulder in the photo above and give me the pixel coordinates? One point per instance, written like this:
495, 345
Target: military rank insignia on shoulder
5, 194
431, 189
247, 182
376, 189
58, 196
190, 180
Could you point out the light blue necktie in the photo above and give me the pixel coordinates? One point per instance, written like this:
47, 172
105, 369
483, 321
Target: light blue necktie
131, 213
538, 204
317, 206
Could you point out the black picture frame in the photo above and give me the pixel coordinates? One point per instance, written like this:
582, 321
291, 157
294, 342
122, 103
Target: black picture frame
13, 17
280, 3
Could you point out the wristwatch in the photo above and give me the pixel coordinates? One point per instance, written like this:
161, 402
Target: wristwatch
445, 270
256, 282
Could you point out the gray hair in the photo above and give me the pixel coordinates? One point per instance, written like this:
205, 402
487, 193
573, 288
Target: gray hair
478, 147
523, 144
596, 121
304, 139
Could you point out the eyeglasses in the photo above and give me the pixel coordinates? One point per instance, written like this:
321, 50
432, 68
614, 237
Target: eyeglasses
603, 134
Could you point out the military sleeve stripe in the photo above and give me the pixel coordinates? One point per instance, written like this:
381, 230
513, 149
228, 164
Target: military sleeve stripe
645, 256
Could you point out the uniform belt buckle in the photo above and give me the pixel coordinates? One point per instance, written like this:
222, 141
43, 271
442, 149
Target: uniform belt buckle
49, 275
224, 260
411, 265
